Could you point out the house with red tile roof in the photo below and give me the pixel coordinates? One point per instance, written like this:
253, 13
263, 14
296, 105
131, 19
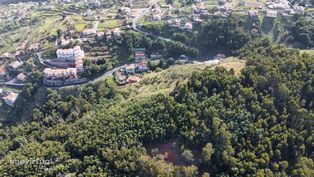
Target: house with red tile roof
3, 71
21, 77
139, 53
10, 98
133, 79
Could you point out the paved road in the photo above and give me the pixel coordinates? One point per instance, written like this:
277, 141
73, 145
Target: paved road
108, 73
40, 58
144, 12
141, 31
14, 84
141, 15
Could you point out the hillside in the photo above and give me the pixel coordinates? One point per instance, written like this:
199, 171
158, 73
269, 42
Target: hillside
213, 122
165, 81
156, 88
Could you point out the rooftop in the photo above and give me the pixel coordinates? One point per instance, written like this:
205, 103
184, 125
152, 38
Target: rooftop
57, 73
21, 77
6, 55
143, 63
139, 50
130, 66
76, 52
271, 13
3, 70
253, 13
16, 64
10, 98
133, 79
89, 31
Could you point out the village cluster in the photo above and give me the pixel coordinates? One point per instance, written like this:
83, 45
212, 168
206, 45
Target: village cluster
200, 10
275, 8
131, 73
18, 11
14, 71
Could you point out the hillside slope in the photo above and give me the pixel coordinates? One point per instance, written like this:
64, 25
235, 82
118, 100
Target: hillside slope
259, 122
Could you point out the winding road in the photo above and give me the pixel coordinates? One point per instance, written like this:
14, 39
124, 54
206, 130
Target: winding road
40, 58
141, 15
108, 73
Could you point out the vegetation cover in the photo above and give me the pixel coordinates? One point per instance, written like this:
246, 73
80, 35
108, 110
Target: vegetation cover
302, 31
259, 123
215, 122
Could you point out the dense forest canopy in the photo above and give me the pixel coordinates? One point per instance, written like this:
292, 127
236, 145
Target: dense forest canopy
257, 124
226, 34
303, 31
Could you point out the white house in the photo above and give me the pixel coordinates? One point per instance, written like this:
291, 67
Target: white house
271, 13
10, 98
16, 64
188, 26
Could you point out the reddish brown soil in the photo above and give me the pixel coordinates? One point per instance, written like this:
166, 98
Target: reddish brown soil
170, 151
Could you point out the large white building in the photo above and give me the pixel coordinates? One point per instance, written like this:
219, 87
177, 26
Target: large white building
74, 56
50, 73
70, 54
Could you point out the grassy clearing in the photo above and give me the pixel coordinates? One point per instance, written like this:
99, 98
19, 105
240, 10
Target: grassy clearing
211, 2
12, 89
310, 9
49, 21
12, 39
77, 21
163, 82
309, 51
32, 34
162, 2
79, 26
112, 23
50, 26
233, 62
